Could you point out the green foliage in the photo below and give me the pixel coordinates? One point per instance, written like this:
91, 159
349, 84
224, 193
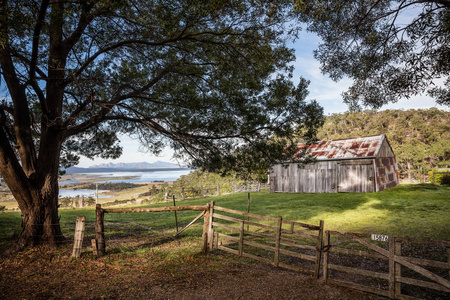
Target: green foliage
391, 49
90, 201
437, 177
66, 202
445, 179
117, 202
73, 201
201, 76
111, 186
207, 180
420, 138
192, 185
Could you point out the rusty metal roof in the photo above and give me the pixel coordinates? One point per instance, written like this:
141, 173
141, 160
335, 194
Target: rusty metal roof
361, 147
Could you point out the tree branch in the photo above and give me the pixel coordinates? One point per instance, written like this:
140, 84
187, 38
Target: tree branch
34, 53
107, 106
22, 120
8, 109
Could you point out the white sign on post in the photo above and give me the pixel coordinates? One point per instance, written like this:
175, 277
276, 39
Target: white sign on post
380, 237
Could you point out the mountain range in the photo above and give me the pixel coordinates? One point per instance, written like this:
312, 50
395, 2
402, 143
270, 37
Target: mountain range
126, 167
135, 165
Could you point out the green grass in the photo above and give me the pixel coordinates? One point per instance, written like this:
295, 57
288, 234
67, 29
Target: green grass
420, 211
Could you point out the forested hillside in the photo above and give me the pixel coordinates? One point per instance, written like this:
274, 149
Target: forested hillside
420, 138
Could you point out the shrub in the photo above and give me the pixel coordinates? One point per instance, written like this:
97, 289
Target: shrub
437, 177
445, 179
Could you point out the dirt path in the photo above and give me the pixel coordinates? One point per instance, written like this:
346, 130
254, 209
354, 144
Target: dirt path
38, 274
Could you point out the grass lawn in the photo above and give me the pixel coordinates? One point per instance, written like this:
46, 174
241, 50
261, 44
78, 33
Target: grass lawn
144, 261
421, 211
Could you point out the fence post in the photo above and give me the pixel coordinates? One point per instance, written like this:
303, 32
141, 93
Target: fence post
327, 247
206, 227
391, 267
183, 194
218, 189
277, 241
448, 259
79, 234
211, 227
174, 204
248, 209
94, 247
319, 248
241, 238
100, 230
398, 268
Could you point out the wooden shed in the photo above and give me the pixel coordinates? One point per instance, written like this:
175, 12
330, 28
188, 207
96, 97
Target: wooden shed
355, 165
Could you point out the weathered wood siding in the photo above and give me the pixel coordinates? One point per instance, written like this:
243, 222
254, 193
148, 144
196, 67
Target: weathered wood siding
353, 176
356, 176
363, 174
385, 150
319, 177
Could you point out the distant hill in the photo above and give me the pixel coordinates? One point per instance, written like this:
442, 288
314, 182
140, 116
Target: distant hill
135, 165
420, 138
126, 167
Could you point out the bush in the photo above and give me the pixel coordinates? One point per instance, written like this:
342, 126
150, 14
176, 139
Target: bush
437, 177
445, 179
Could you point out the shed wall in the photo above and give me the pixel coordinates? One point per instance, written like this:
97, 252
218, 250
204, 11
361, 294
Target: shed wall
333, 176
387, 172
372, 171
385, 150
318, 177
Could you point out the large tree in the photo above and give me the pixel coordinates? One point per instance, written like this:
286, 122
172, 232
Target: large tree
392, 49
205, 77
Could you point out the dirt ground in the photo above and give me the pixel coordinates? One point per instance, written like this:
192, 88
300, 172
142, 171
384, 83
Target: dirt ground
43, 274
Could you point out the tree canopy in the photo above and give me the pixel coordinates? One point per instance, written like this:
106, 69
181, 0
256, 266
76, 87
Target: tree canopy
391, 49
205, 77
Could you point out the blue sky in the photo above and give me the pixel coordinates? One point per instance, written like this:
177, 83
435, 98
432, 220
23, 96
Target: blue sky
322, 89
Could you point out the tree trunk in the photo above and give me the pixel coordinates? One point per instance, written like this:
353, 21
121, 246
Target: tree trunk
409, 172
40, 220
40, 224
36, 193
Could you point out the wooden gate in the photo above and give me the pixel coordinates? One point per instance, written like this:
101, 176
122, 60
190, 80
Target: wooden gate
283, 243
392, 272
356, 177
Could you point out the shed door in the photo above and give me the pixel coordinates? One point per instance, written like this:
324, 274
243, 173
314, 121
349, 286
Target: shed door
355, 178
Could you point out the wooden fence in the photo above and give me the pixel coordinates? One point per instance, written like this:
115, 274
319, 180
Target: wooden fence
283, 243
100, 244
383, 265
248, 187
376, 264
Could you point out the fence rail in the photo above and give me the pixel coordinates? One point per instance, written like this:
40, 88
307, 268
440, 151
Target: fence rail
265, 239
394, 268
381, 265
